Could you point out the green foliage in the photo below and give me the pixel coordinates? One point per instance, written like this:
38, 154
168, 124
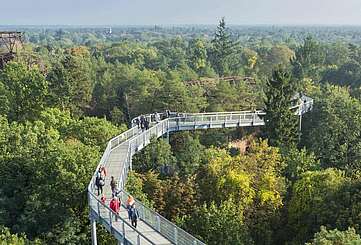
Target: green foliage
198, 56
312, 201
332, 129
45, 164
188, 151
308, 59
253, 181
156, 156
175, 96
134, 186
231, 97
223, 51
220, 224
93, 131
22, 91
71, 81
334, 237
6, 238
299, 162
281, 124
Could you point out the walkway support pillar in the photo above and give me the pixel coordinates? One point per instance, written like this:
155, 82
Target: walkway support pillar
93, 231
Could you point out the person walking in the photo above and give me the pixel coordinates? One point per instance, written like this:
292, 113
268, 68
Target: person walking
146, 124
113, 185
142, 123
103, 171
137, 122
134, 215
130, 202
99, 182
157, 117
115, 206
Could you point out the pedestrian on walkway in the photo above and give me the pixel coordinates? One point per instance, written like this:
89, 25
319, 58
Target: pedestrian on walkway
113, 185
130, 202
157, 117
102, 171
142, 122
99, 182
137, 122
115, 206
134, 215
146, 124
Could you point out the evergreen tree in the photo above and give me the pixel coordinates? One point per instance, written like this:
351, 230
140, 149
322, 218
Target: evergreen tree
223, 50
281, 123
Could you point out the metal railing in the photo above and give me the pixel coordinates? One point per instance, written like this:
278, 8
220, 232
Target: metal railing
136, 140
108, 217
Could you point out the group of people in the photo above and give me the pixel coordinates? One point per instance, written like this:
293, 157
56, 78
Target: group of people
142, 123
115, 202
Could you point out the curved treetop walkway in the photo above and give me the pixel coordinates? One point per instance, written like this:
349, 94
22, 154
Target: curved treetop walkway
153, 228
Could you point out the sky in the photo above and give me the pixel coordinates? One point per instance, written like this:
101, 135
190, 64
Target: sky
171, 12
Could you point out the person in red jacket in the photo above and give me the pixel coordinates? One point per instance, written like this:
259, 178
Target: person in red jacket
115, 206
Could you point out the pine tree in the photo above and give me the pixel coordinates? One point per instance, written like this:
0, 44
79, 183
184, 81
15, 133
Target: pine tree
280, 121
223, 47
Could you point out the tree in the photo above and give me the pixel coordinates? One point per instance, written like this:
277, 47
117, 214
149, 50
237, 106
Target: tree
188, 152
312, 202
308, 59
280, 121
175, 96
223, 50
231, 97
6, 238
348, 74
219, 224
197, 55
22, 91
333, 237
71, 81
332, 129
299, 162
157, 156
253, 181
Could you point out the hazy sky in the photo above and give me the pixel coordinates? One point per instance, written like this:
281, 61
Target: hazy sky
126, 12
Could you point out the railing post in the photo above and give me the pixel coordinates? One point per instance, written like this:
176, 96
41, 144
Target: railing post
98, 207
130, 156
158, 223
175, 235
123, 228
93, 231
138, 239
110, 218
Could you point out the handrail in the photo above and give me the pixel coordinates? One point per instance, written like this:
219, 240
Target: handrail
137, 140
113, 214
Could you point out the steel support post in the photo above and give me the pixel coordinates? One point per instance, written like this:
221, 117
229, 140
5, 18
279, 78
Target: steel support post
93, 231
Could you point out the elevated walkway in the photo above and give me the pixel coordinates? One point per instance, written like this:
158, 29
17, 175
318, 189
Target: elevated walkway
117, 158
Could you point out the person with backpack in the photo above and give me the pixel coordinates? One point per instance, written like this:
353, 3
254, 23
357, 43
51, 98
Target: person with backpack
113, 185
115, 206
99, 182
130, 202
103, 171
146, 124
134, 215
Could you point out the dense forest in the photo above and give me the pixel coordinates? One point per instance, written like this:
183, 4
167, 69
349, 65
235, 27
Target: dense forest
69, 90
